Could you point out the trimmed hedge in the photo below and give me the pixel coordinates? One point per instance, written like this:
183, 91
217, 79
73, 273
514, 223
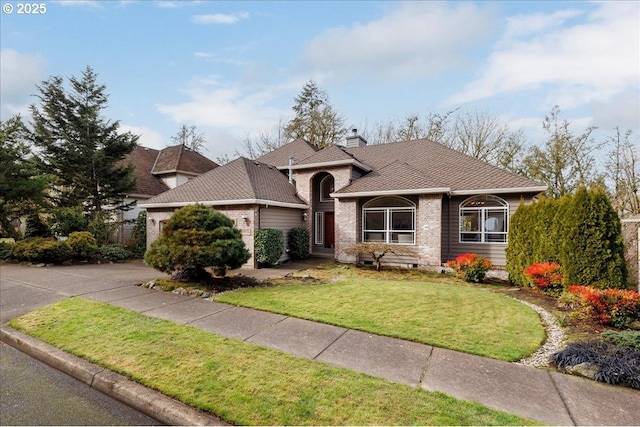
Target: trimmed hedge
114, 253
581, 232
298, 243
40, 249
83, 245
269, 245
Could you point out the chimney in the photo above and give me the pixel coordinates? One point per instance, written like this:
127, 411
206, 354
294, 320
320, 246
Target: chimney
355, 140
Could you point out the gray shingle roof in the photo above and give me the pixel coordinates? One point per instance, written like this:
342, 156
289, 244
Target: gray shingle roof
240, 180
143, 159
299, 149
443, 165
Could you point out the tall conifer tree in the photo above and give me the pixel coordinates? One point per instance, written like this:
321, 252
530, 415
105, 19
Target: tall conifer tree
79, 147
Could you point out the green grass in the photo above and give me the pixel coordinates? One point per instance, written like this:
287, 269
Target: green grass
434, 312
240, 382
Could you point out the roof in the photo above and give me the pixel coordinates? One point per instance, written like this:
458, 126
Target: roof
441, 165
179, 158
332, 155
149, 162
143, 159
298, 149
242, 181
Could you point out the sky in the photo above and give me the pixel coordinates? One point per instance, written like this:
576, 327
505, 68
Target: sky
233, 69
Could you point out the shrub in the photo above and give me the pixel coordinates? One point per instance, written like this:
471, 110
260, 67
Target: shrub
196, 237
614, 365
299, 243
114, 252
36, 228
616, 307
471, 267
40, 249
546, 276
269, 245
65, 221
626, 338
5, 249
83, 245
138, 241
377, 251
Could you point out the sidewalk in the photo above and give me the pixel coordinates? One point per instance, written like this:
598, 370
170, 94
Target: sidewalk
545, 396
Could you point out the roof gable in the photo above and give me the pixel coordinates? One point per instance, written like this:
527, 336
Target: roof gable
179, 158
298, 149
240, 181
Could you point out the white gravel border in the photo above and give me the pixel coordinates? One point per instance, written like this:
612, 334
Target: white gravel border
555, 338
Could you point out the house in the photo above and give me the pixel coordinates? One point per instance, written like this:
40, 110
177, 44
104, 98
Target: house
417, 193
157, 171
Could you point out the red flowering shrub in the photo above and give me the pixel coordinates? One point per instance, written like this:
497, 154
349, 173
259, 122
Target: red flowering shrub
546, 276
471, 267
616, 307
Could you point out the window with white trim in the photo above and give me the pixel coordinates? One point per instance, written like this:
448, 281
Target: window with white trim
484, 219
326, 188
389, 220
319, 228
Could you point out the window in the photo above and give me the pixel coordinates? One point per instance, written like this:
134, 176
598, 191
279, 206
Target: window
326, 188
483, 219
319, 228
389, 220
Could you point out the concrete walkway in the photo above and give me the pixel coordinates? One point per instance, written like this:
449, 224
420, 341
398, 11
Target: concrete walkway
545, 396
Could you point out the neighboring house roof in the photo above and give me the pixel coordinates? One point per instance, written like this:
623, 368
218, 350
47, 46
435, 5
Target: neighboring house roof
443, 166
150, 163
298, 149
143, 159
242, 181
179, 158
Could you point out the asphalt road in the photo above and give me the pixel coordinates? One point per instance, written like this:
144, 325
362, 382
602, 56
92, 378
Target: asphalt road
32, 393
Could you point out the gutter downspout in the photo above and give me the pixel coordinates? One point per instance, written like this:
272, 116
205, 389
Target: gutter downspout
290, 170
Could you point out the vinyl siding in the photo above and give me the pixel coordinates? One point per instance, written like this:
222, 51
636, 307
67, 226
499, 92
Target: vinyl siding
281, 219
451, 245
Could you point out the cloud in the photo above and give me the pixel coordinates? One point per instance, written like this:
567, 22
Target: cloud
148, 137
622, 110
231, 107
413, 40
20, 74
219, 18
574, 61
80, 3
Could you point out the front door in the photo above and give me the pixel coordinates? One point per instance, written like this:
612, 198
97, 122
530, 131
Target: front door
329, 230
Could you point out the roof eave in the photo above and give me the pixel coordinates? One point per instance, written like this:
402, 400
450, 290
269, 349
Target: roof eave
391, 192
328, 164
535, 189
226, 203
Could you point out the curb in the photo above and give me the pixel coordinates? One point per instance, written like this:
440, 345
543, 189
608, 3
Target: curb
150, 402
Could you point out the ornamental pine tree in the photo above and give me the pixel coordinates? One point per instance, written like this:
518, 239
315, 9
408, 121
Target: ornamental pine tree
194, 238
79, 147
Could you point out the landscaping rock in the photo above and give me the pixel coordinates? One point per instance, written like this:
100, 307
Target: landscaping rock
586, 369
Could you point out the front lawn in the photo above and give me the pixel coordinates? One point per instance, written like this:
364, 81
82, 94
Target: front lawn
242, 383
431, 309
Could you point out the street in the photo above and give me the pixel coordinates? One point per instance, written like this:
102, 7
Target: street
31, 392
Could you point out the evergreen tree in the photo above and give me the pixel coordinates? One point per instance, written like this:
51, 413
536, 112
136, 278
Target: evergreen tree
194, 238
593, 251
21, 184
79, 147
315, 120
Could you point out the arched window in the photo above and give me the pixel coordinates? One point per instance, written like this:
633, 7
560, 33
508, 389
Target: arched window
389, 220
483, 219
326, 188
